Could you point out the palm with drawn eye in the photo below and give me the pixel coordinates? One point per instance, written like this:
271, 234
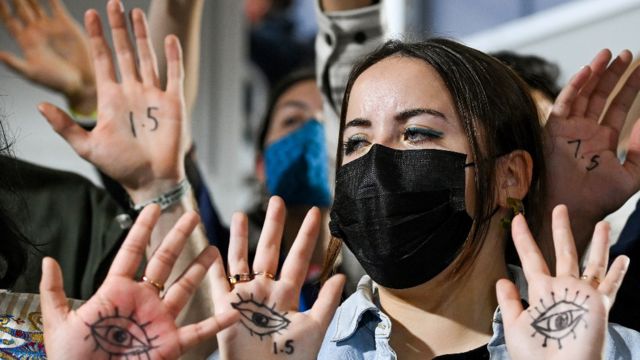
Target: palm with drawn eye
54, 48
135, 116
127, 318
270, 326
583, 169
567, 314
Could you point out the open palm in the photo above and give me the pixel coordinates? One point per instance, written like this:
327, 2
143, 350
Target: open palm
54, 48
270, 326
567, 313
127, 318
584, 171
135, 116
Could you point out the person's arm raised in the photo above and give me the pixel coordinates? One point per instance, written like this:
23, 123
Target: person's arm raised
142, 131
55, 51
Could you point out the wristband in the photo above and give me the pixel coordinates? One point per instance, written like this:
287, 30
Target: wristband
167, 199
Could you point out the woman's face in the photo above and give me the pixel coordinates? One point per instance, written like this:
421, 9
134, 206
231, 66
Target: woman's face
401, 103
296, 105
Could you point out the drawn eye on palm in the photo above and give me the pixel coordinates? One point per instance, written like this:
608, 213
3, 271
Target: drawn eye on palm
259, 318
560, 319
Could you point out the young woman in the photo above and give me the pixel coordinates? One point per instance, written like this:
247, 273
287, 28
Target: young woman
442, 145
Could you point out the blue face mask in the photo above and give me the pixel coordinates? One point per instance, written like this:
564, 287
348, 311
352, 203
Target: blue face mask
297, 167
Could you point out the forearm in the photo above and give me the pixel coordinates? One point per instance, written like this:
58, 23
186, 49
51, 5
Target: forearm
182, 18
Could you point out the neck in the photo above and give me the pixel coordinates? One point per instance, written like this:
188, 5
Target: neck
443, 316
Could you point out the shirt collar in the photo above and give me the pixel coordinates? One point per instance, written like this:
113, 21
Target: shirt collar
350, 313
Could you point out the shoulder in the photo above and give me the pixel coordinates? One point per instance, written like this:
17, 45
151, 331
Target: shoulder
622, 343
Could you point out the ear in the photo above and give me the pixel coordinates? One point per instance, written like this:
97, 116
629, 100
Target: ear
260, 168
514, 174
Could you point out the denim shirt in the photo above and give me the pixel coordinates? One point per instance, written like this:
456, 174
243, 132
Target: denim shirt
360, 330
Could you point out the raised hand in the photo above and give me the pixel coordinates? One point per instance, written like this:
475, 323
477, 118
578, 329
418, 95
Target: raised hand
270, 326
127, 318
567, 314
582, 137
55, 51
142, 133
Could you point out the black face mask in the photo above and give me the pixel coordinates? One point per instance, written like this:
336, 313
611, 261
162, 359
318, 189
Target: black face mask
402, 213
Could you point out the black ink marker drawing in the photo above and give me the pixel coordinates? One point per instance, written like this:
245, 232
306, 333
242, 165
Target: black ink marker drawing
560, 319
121, 336
259, 318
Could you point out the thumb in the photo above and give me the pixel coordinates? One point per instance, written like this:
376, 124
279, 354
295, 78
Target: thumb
53, 300
14, 63
509, 302
61, 123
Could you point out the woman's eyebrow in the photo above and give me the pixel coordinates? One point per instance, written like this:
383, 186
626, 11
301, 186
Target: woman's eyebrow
293, 103
358, 122
407, 114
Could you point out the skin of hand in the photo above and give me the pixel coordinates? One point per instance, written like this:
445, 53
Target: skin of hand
126, 317
55, 51
567, 314
270, 326
135, 116
582, 135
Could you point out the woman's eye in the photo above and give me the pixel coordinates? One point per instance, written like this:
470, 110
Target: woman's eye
291, 121
419, 134
353, 144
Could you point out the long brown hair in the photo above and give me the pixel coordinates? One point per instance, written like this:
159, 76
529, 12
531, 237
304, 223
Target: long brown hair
498, 116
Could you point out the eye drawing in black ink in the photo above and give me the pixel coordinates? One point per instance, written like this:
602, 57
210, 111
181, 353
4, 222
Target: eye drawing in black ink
560, 319
122, 336
259, 318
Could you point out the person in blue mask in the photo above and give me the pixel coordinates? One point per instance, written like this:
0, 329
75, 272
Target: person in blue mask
292, 162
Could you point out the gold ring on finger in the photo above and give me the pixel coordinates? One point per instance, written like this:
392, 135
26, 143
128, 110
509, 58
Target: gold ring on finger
266, 274
239, 278
155, 284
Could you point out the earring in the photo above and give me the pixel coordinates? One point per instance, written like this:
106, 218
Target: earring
517, 207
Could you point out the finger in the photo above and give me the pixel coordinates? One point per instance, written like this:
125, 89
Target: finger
565, 100
606, 84
599, 252
192, 335
148, 61
268, 250
100, 51
598, 67
121, 42
617, 111
328, 301
57, 7
175, 67
37, 9
611, 283
14, 63
132, 251
565, 247
182, 289
24, 11
71, 132
12, 23
219, 282
238, 245
296, 265
53, 300
509, 302
528, 251
164, 258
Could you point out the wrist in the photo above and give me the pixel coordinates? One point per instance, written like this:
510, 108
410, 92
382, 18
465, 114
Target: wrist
153, 189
